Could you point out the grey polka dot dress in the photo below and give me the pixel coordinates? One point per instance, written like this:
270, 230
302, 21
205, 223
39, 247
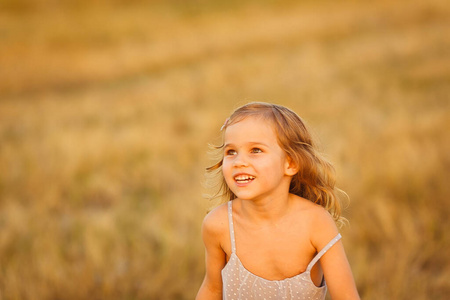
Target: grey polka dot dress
241, 284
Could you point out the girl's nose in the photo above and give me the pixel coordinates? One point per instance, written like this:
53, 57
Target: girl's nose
240, 161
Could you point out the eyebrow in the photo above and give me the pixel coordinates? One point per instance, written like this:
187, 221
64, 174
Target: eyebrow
249, 143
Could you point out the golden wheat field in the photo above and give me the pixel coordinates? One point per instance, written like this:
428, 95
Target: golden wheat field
107, 109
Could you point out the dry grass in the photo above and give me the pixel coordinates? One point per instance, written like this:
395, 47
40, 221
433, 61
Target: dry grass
106, 111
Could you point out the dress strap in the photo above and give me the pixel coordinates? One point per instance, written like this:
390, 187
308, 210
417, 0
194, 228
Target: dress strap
230, 221
322, 252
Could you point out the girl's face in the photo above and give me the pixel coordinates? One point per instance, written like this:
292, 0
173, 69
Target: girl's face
254, 165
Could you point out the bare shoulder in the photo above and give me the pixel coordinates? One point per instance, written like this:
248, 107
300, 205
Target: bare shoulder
215, 223
319, 222
321, 218
313, 212
323, 228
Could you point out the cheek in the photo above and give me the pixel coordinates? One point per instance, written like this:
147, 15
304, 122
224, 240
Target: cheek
225, 167
278, 167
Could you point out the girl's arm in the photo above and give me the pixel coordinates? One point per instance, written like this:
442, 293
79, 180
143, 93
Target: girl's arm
211, 287
336, 269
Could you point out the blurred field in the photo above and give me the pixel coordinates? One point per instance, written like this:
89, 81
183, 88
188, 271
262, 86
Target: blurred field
106, 110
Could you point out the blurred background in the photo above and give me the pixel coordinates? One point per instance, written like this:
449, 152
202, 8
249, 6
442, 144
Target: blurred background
107, 109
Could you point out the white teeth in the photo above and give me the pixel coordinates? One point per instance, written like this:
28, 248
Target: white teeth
244, 178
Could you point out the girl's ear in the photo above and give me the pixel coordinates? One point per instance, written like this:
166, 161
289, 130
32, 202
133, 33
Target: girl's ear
291, 167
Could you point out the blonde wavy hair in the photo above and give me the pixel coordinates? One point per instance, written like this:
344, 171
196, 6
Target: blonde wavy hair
315, 179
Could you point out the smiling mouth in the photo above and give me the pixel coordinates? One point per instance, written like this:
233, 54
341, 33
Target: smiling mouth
244, 178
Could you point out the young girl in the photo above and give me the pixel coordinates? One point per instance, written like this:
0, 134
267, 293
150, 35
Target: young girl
275, 238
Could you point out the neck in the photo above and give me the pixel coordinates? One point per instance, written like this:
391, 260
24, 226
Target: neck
267, 210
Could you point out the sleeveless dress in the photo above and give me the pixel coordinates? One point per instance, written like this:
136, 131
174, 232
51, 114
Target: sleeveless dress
240, 284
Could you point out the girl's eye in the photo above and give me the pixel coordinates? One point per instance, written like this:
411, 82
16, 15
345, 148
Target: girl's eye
256, 150
230, 152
